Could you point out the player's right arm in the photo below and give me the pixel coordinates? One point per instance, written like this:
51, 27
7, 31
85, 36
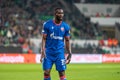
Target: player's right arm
43, 43
43, 47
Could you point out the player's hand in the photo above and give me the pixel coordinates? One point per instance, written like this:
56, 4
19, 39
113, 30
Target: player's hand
68, 58
42, 56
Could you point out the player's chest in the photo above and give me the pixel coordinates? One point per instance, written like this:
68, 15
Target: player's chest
57, 29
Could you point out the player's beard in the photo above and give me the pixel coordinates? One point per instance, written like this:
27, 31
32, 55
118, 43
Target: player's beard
59, 18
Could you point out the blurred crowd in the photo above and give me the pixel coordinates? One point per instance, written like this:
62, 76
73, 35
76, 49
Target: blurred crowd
16, 24
98, 1
20, 20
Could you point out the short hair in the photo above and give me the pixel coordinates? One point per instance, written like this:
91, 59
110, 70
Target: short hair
55, 10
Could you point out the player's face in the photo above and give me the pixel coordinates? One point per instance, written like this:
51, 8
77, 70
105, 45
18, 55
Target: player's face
59, 14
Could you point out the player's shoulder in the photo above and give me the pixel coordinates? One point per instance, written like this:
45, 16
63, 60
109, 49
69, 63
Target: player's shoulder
47, 22
65, 24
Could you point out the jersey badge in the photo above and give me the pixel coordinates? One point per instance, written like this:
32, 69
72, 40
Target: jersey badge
62, 28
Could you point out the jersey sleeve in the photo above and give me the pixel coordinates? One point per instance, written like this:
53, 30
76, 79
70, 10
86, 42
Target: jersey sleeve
44, 30
67, 32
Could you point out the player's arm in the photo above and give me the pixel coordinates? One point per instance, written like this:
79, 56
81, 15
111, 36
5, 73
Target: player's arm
43, 42
68, 48
43, 47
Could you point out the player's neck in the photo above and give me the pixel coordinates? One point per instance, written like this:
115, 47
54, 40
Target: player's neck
57, 22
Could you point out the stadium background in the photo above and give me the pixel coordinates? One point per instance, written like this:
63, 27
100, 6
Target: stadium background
95, 30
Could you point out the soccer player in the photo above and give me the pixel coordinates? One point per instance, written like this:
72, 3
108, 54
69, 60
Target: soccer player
55, 32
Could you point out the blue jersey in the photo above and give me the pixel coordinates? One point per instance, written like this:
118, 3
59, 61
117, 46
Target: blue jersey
55, 44
55, 34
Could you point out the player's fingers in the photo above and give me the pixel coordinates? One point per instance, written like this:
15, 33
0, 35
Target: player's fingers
41, 60
67, 61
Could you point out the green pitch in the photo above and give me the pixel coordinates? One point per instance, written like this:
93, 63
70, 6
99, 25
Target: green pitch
74, 72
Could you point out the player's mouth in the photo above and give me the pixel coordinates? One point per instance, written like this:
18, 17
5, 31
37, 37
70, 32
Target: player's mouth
60, 18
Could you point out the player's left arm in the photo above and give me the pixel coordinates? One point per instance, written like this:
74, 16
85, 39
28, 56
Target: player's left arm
68, 44
68, 48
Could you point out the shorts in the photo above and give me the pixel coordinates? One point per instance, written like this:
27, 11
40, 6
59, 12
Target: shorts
58, 58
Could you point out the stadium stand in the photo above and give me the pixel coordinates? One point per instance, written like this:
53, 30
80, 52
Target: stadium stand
98, 1
21, 21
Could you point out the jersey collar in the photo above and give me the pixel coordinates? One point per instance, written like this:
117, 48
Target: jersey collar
56, 23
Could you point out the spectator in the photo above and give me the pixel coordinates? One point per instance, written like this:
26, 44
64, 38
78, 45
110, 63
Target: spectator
110, 42
101, 42
115, 42
97, 14
25, 47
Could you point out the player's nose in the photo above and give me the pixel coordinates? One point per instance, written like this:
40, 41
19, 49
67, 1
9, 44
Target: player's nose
61, 15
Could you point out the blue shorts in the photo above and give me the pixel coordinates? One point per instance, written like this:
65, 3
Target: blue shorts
57, 58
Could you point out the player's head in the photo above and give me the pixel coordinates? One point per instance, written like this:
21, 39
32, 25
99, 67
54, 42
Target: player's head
59, 13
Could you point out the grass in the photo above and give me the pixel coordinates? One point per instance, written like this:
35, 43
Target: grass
74, 72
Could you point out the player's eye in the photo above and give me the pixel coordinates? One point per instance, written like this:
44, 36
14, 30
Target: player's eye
60, 13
